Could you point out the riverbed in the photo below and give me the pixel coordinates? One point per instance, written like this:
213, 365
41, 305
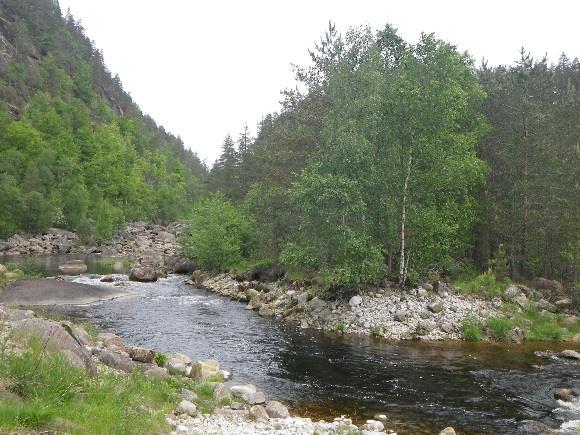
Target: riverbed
422, 387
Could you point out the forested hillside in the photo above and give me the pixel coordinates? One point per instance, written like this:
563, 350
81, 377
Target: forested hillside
76, 150
411, 160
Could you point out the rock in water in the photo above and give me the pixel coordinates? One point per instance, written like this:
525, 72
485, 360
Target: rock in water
564, 394
448, 431
570, 354
276, 410
73, 267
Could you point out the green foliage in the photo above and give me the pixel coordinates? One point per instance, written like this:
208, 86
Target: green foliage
219, 234
340, 328
160, 359
79, 154
471, 329
485, 284
377, 331
499, 327
46, 392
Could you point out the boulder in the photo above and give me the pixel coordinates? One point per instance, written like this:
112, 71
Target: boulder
118, 267
240, 390
73, 267
544, 305
183, 266
144, 274
516, 335
258, 413
276, 410
448, 431
302, 298
188, 395
570, 354
176, 367
401, 315
140, 354
355, 301
373, 426
107, 278
564, 394
435, 307
116, 361
546, 284
511, 292
265, 311
186, 407
427, 287
221, 392
254, 398
563, 304
316, 305
521, 300
183, 358
570, 320
532, 427
78, 333
424, 327
155, 372
201, 370
421, 292
55, 337
110, 340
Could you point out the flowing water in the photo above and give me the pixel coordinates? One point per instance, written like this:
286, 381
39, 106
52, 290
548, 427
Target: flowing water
422, 387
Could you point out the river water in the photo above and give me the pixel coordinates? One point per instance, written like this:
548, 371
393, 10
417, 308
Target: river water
421, 387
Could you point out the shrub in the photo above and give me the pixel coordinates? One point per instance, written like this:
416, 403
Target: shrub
499, 327
471, 329
485, 284
340, 328
219, 235
160, 359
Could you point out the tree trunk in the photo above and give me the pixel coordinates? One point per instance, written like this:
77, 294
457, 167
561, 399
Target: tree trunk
403, 263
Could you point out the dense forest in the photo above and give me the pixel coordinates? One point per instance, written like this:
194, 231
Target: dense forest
409, 159
76, 150
388, 158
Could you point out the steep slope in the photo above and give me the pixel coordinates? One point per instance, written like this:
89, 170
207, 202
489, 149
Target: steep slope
77, 152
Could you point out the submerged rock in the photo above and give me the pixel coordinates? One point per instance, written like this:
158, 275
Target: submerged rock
570, 354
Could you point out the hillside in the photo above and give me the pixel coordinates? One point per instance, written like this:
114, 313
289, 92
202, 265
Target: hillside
77, 152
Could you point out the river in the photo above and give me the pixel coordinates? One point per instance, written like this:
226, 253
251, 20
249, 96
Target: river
422, 387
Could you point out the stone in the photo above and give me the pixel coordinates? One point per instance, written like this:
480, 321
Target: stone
302, 298
240, 390
155, 372
401, 315
427, 286
570, 320
176, 367
186, 407
435, 307
380, 417
221, 392
570, 354
107, 278
265, 311
373, 426
511, 292
564, 394
424, 327
183, 266
116, 361
355, 301
546, 284
448, 431
78, 333
258, 413
188, 395
521, 300
118, 267
144, 274
544, 305
3, 269
447, 327
316, 305
421, 292
276, 410
563, 304
255, 398
202, 370
140, 354
109, 339
55, 337
183, 358
532, 427
73, 267
516, 335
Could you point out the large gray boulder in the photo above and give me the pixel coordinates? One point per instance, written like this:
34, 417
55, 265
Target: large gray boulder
117, 361
276, 410
54, 337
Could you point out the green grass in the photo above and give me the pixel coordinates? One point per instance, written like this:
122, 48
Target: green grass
499, 328
44, 392
377, 331
160, 359
471, 329
340, 328
485, 284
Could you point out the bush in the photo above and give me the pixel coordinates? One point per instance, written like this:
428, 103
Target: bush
160, 359
219, 234
485, 284
471, 330
499, 327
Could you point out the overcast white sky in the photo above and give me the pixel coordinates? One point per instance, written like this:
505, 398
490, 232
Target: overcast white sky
204, 68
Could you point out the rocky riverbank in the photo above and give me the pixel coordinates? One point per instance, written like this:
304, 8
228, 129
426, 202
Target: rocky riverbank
430, 312
204, 404
129, 242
